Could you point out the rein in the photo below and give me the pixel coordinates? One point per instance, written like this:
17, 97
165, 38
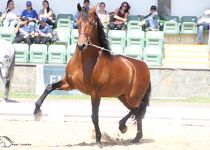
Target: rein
96, 46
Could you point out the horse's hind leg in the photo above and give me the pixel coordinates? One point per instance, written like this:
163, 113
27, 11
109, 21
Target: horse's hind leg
122, 123
139, 113
60, 85
6, 81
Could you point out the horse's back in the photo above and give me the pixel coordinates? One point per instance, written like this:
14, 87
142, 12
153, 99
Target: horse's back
117, 75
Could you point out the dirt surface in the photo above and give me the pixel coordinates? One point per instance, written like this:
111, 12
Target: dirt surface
164, 127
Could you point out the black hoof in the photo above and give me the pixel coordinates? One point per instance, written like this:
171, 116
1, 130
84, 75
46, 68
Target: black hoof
139, 135
135, 140
123, 128
37, 114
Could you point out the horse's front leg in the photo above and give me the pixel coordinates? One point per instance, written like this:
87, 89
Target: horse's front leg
95, 100
60, 85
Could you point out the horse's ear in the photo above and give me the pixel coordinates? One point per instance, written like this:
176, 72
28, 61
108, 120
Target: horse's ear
79, 8
93, 10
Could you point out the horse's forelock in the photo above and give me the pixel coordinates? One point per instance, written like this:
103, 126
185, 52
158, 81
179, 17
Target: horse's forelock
84, 15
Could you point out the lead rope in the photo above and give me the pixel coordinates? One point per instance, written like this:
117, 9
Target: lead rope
99, 47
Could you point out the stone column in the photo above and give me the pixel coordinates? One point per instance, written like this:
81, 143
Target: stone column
164, 7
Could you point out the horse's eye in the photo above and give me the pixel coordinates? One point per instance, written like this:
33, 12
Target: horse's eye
91, 22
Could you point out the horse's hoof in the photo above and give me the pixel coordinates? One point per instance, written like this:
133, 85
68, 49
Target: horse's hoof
123, 129
135, 140
38, 115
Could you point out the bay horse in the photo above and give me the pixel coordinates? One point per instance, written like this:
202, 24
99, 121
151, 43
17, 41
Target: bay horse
93, 70
7, 62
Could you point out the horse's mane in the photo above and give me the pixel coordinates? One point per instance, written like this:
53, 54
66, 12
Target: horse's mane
102, 36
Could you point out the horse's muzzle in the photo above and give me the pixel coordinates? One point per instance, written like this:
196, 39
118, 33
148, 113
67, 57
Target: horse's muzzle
82, 47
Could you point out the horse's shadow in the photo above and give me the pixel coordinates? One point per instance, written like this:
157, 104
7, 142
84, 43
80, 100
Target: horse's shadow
10, 101
107, 141
113, 143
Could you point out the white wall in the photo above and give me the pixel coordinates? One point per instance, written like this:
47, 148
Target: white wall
189, 7
141, 7
69, 6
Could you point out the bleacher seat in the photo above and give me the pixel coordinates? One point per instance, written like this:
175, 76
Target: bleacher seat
171, 25
117, 37
7, 33
70, 51
21, 52
38, 53
153, 55
74, 36
64, 20
133, 22
154, 38
116, 49
153, 52
135, 43
188, 24
63, 35
56, 54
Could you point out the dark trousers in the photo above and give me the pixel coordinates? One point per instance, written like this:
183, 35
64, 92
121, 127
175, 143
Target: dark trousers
20, 38
113, 26
42, 40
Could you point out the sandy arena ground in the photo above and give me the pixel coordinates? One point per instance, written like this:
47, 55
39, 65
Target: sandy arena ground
165, 127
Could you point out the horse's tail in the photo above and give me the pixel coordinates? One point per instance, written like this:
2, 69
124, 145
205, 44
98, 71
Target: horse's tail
145, 102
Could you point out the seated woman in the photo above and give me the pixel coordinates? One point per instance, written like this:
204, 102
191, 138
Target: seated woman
43, 33
103, 14
23, 32
120, 17
30, 13
11, 16
47, 14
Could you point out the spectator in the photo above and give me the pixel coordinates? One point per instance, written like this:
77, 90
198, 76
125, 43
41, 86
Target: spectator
30, 13
86, 8
43, 33
203, 23
151, 20
103, 14
23, 32
47, 13
11, 16
120, 17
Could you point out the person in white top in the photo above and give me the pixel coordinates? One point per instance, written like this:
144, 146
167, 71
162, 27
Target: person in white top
103, 14
11, 16
203, 23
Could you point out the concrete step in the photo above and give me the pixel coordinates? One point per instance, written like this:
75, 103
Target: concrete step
196, 65
186, 48
193, 60
185, 54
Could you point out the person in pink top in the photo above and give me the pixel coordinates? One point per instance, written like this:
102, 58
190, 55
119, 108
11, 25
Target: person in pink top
120, 17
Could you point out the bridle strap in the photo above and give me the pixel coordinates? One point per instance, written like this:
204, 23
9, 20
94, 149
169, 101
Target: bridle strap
96, 46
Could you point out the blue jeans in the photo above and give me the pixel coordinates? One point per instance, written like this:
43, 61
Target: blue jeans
75, 25
152, 22
200, 32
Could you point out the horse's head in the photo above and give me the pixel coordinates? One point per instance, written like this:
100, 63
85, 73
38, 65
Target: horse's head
86, 26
